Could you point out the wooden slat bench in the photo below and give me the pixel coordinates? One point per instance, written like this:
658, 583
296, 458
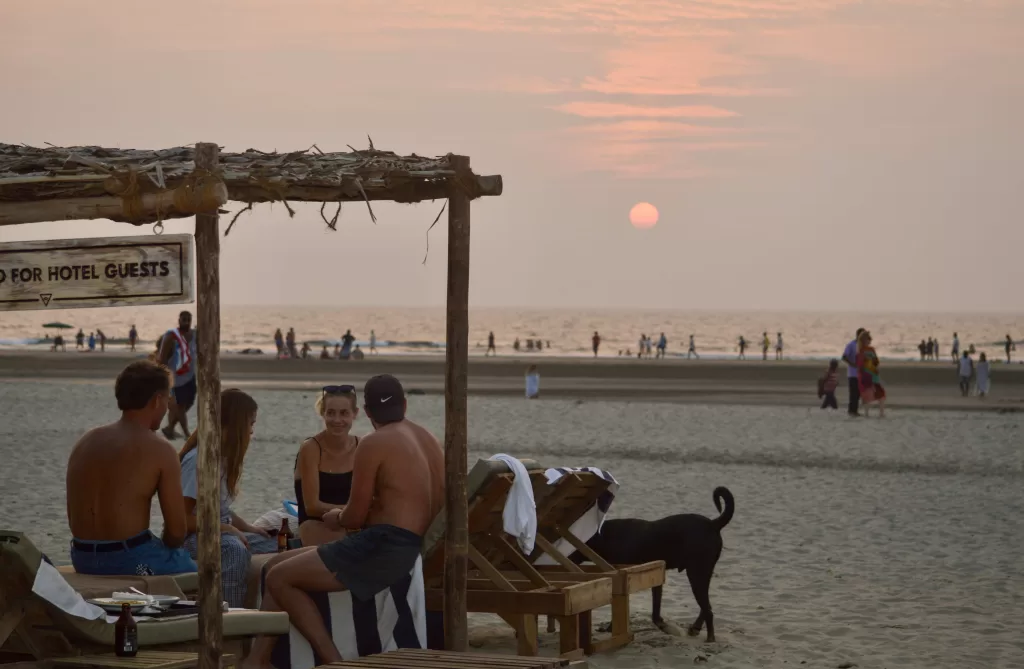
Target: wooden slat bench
144, 659
435, 659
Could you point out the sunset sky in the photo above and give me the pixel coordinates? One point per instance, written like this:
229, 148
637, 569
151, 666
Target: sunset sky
803, 154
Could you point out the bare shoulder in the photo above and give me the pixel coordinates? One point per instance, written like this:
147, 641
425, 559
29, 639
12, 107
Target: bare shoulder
308, 446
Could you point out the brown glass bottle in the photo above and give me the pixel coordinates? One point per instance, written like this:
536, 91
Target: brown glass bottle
126, 634
282, 536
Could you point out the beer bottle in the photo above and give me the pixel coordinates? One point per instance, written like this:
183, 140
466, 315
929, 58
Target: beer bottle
126, 633
282, 536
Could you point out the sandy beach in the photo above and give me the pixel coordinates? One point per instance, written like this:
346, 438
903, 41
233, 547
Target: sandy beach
889, 543
910, 385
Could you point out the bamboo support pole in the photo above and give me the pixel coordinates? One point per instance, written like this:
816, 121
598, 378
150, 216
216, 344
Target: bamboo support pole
456, 541
208, 383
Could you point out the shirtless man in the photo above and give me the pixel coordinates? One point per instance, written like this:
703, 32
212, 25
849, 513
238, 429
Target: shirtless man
113, 473
397, 490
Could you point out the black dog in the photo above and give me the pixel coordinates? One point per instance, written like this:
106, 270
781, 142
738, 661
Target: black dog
686, 541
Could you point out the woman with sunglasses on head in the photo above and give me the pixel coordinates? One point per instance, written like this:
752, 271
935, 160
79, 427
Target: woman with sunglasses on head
323, 467
239, 540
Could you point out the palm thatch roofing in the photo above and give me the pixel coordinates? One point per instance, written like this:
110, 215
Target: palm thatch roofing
142, 186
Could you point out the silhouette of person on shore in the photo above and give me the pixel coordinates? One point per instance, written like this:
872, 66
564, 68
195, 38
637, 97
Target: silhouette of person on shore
515, 345
692, 350
662, 345
80, 339
743, 348
1009, 346
765, 344
955, 353
490, 345
596, 342
133, 338
778, 346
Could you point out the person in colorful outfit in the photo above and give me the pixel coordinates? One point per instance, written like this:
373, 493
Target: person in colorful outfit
178, 352
870, 383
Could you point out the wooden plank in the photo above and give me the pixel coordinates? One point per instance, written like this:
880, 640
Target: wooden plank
456, 538
517, 559
208, 384
583, 548
582, 597
145, 659
96, 272
471, 657
489, 570
386, 661
556, 555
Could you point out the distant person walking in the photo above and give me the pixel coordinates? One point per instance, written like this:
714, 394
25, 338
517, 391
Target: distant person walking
103, 340
490, 345
923, 348
1009, 346
80, 339
289, 342
966, 372
871, 388
827, 386
692, 350
935, 354
662, 345
850, 358
279, 342
743, 348
92, 342
778, 347
640, 345
346, 345
955, 353
177, 351
373, 342
595, 342
981, 377
648, 347
929, 350
765, 345
133, 338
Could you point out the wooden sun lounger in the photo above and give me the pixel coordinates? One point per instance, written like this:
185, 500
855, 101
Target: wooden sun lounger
558, 507
30, 627
502, 580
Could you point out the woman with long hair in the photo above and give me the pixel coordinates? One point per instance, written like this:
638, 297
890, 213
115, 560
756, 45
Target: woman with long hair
238, 540
323, 467
871, 388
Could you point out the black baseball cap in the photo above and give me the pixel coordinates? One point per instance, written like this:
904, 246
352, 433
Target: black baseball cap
384, 399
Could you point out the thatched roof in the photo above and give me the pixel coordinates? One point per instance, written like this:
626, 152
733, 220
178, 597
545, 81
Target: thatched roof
141, 186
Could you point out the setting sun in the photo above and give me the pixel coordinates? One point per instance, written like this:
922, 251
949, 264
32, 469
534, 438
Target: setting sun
643, 215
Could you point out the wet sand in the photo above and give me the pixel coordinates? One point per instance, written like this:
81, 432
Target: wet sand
910, 385
891, 543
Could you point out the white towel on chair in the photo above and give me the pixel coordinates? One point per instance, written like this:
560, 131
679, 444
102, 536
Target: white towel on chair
589, 523
51, 586
520, 516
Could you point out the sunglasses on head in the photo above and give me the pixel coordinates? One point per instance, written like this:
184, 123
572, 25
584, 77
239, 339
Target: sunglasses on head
339, 390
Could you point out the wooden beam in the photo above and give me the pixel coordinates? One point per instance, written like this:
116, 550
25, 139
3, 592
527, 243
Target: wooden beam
208, 383
160, 205
456, 538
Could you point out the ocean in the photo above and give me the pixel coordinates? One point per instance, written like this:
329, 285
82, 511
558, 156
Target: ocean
568, 332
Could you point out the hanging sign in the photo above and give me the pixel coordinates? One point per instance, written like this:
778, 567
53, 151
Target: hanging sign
96, 272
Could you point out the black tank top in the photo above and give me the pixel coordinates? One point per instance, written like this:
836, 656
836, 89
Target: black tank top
334, 488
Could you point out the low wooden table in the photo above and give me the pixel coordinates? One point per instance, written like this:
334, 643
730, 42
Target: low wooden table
145, 659
437, 659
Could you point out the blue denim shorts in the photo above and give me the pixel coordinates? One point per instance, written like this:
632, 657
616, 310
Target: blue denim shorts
141, 555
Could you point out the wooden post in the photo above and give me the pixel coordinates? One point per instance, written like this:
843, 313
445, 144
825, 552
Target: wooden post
456, 539
208, 382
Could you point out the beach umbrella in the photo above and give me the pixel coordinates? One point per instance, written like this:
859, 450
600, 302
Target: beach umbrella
58, 326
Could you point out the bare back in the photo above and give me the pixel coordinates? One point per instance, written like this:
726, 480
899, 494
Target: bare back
409, 484
113, 473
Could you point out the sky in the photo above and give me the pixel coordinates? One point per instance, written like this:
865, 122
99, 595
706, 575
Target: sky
803, 154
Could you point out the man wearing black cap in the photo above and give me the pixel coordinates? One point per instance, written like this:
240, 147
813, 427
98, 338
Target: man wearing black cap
397, 489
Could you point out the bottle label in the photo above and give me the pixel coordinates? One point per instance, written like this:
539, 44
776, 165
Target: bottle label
131, 641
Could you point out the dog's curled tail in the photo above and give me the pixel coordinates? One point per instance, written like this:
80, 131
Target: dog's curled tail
722, 493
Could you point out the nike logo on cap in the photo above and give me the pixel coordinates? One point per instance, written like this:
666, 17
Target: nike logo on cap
385, 399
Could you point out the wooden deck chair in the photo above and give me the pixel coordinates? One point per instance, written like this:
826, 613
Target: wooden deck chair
501, 579
31, 626
558, 507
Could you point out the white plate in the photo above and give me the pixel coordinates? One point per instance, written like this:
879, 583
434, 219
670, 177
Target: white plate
114, 605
